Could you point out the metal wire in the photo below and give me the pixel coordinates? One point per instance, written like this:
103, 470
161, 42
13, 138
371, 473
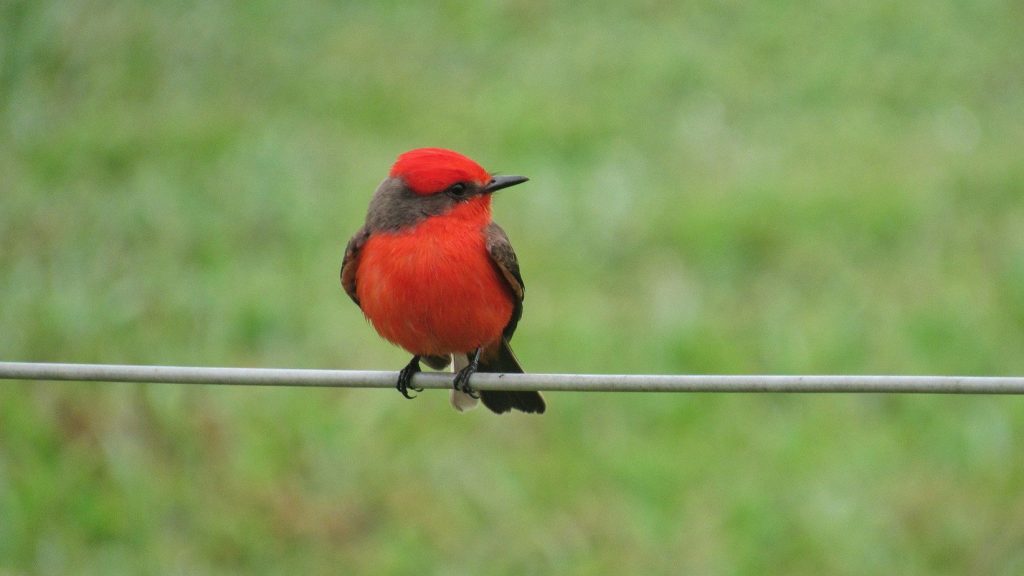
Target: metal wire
547, 382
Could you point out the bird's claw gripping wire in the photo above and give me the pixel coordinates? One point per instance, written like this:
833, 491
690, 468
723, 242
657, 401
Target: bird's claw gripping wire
405, 377
461, 382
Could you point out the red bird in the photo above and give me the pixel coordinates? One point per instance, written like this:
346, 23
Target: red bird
436, 276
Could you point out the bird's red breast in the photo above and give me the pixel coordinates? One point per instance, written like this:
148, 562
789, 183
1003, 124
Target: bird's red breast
433, 289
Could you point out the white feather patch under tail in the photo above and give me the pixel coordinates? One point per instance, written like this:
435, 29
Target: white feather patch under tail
460, 400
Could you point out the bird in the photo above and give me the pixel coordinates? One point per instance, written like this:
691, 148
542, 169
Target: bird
435, 275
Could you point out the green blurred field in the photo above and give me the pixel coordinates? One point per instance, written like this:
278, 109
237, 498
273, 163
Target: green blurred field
716, 188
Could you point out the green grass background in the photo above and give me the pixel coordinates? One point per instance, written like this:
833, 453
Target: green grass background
717, 187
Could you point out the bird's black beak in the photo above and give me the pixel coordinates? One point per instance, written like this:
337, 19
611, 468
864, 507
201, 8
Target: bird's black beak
499, 182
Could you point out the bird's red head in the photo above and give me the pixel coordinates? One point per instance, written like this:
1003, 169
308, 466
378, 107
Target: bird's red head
428, 171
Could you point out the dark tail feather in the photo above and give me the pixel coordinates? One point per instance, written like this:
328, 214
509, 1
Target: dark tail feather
501, 359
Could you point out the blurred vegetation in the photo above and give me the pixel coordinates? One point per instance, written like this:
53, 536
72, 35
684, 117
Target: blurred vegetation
716, 188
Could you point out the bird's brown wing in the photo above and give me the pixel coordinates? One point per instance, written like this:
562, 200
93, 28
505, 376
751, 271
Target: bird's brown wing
350, 263
504, 258
498, 356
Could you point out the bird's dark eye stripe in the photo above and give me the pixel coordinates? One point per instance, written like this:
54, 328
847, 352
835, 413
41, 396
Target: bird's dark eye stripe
457, 189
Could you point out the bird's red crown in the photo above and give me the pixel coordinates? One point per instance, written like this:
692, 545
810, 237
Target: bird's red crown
431, 170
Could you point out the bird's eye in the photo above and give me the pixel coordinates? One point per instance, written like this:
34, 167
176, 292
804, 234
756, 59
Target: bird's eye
457, 190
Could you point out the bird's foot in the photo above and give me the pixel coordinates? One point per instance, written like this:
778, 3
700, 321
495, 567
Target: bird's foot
405, 377
461, 382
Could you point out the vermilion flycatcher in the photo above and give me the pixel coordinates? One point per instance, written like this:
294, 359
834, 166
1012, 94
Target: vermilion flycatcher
436, 276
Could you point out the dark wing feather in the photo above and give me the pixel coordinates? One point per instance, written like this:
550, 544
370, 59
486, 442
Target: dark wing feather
504, 258
498, 357
350, 263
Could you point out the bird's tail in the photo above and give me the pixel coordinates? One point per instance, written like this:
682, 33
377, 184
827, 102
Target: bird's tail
499, 358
